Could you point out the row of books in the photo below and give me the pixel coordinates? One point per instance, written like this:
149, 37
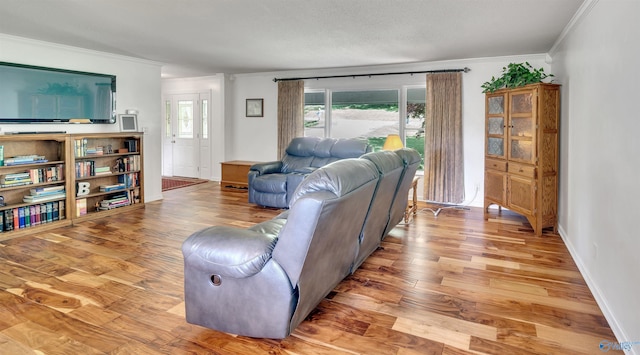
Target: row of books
130, 163
81, 149
25, 159
88, 168
120, 199
33, 176
129, 180
131, 145
28, 216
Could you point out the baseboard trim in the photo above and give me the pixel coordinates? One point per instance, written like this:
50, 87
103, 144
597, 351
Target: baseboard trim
618, 331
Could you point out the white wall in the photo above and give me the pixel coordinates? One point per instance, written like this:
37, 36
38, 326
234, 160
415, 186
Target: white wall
216, 86
256, 138
596, 64
138, 87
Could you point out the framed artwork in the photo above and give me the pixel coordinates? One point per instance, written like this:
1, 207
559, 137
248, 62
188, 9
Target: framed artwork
255, 107
128, 123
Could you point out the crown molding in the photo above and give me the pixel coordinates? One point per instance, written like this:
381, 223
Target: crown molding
582, 13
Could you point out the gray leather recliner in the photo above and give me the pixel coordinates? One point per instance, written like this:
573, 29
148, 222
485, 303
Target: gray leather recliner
273, 183
263, 281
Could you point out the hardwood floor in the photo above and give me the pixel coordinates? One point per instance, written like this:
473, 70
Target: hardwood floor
452, 284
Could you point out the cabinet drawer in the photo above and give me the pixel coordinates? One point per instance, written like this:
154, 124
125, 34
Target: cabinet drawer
521, 169
495, 164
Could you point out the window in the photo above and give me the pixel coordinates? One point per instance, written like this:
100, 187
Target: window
414, 122
314, 118
185, 119
371, 114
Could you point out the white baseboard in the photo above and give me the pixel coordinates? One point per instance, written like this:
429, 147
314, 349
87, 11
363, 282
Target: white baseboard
620, 334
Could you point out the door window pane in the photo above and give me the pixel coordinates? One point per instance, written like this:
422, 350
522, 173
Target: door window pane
205, 119
314, 114
365, 114
185, 119
167, 118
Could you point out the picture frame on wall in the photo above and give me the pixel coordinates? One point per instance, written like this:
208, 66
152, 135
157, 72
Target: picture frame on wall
255, 108
128, 123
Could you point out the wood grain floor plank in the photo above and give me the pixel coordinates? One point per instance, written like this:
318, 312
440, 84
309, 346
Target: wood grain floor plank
452, 284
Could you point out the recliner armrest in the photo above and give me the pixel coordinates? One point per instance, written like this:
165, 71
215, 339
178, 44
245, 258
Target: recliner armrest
267, 168
229, 251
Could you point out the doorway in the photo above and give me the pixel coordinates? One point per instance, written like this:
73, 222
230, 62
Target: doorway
185, 128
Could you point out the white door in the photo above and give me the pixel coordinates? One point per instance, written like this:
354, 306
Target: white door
181, 147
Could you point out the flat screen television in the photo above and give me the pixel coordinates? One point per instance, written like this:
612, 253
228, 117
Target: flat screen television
32, 94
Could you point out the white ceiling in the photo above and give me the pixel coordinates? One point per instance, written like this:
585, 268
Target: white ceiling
204, 37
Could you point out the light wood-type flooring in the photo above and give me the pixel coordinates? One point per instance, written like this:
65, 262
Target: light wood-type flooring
452, 284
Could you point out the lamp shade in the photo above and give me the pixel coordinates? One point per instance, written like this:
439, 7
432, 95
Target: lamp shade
392, 142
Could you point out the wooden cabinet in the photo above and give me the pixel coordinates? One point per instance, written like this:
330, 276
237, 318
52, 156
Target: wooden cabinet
108, 174
521, 152
34, 183
235, 173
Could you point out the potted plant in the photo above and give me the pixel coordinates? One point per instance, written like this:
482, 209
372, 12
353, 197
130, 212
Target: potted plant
515, 75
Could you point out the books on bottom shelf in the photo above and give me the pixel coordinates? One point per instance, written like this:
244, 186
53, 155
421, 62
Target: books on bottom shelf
30, 216
115, 201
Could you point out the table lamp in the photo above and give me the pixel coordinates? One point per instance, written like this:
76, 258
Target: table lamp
392, 142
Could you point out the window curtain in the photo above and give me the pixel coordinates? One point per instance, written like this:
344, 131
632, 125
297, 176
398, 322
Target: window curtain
290, 113
443, 159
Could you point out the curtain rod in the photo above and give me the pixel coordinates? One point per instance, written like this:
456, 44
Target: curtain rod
465, 69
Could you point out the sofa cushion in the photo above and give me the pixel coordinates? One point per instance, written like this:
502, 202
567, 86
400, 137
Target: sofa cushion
302, 146
292, 163
349, 148
272, 183
323, 148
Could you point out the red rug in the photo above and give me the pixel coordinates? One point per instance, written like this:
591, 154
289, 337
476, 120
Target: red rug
171, 183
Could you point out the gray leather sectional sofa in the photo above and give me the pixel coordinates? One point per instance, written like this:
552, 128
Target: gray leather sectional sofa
264, 280
273, 183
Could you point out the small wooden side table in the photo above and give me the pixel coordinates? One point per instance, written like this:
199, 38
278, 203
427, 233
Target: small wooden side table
234, 173
412, 206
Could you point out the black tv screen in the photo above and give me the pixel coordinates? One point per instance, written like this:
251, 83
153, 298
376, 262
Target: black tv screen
31, 94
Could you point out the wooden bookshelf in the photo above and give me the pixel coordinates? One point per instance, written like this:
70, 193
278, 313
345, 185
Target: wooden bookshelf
55, 166
121, 154
50, 170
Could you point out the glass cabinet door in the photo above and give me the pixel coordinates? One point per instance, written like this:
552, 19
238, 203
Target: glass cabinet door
522, 127
496, 125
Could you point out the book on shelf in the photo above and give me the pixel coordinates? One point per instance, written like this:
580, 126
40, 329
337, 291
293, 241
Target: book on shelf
43, 190
131, 145
81, 207
102, 170
107, 188
43, 198
25, 159
8, 220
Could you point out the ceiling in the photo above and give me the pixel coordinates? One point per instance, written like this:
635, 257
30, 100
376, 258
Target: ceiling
205, 37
